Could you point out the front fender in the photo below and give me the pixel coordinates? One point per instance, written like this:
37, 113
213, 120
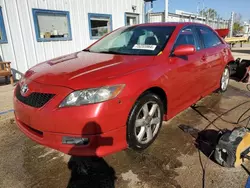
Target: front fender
141, 80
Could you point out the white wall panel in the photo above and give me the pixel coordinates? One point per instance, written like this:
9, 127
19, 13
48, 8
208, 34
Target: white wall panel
22, 48
49, 54
16, 35
27, 36
38, 46
57, 45
7, 49
68, 46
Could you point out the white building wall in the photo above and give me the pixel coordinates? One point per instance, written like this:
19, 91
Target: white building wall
156, 17
22, 48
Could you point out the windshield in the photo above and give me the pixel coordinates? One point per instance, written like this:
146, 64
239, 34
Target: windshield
135, 40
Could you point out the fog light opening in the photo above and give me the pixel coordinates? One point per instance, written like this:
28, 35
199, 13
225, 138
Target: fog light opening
75, 140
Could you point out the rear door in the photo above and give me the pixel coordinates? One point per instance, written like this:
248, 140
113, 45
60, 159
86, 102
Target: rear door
185, 75
212, 63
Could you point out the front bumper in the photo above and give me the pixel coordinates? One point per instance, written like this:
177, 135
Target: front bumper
99, 145
104, 124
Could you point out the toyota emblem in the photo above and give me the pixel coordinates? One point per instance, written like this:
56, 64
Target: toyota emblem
24, 89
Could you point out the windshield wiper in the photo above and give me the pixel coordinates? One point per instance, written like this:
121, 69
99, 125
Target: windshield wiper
112, 52
86, 50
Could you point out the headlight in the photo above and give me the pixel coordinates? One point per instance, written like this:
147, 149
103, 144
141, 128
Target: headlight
90, 96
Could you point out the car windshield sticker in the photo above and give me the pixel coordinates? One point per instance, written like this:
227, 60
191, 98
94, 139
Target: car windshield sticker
144, 47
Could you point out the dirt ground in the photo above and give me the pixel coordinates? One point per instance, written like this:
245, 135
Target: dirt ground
172, 161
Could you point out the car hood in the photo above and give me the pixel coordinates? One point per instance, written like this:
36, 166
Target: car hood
85, 69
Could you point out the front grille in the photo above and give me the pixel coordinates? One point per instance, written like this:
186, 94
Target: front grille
35, 99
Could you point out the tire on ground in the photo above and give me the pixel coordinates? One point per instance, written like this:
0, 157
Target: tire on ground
221, 90
131, 137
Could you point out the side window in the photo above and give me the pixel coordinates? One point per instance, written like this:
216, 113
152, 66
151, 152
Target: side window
210, 39
187, 36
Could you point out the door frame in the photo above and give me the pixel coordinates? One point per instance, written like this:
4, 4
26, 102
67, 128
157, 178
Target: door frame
130, 13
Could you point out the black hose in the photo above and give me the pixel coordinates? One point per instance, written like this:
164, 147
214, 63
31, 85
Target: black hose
239, 120
212, 122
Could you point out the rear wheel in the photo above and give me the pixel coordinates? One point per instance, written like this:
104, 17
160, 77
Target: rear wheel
224, 82
145, 121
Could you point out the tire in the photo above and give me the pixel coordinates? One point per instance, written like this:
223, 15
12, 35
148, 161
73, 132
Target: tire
224, 81
141, 120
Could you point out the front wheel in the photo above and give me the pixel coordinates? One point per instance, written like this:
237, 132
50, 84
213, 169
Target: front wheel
224, 82
144, 121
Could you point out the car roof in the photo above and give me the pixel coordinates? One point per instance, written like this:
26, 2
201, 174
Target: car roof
181, 24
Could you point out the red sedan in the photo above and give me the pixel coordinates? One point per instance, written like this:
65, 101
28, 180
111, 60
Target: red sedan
116, 93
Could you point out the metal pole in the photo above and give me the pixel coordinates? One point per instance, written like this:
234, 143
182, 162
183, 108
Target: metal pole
198, 7
214, 22
203, 9
231, 24
218, 22
166, 10
208, 18
202, 14
145, 12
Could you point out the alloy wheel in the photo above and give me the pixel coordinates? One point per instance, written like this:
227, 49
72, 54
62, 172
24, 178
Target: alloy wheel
225, 79
147, 122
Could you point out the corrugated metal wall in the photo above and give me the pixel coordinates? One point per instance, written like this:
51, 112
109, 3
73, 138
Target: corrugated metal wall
22, 48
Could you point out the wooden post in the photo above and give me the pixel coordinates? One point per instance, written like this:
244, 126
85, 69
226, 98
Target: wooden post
11, 79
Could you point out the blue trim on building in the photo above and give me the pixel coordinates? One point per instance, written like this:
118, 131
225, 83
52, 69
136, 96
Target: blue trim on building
132, 13
95, 15
37, 11
2, 27
7, 111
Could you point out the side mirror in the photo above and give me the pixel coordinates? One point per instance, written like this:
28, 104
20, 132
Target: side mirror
184, 50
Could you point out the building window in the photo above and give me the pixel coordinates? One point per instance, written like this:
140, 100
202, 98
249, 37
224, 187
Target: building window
99, 25
131, 19
3, 37
52, 25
